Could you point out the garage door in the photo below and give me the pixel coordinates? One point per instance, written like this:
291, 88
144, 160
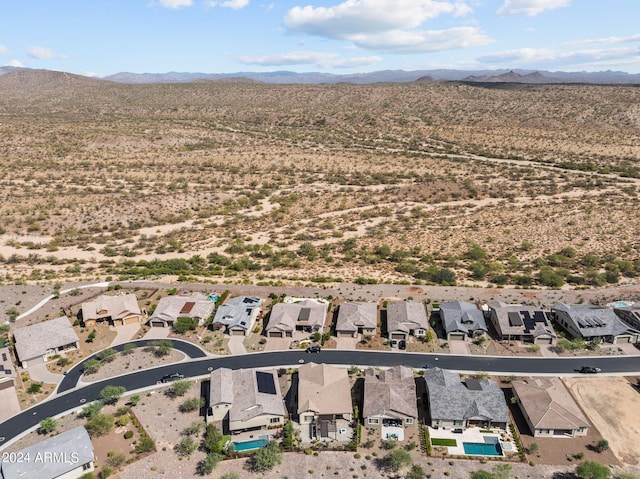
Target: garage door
157, 324
275, 334
544, 341
344, 334
237, 332
623, 339
456, 337
397, 336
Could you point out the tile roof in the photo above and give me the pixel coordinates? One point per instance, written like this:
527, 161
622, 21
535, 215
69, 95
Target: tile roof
390, 392
549, 404
355, 315
452, 399
517, 319
324, 389
286, 316
242, 388
115, 306
406, 316
72, 449
194, 305
462, 316
34, 340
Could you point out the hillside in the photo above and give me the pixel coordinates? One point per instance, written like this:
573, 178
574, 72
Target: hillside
503, 183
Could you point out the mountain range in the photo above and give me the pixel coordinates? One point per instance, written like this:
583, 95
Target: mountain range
391, 76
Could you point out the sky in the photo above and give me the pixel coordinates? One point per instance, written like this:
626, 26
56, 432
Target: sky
103, 37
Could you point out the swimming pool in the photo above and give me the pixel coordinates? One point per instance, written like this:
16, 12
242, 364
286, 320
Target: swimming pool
482, 449
250, 445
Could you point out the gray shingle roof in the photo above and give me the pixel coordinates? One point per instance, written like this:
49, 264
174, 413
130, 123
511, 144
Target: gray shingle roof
390, 392
354, 315
594, 321
406, 316
532, 321
34, 341
72, 449
451, 399
237, 311
462, 316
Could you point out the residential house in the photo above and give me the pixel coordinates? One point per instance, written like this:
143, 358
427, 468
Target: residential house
324, 398
629, 314
356, 318
194, 306
7, 369
116, 310
549, 409
245, 399
68, 455
306, 315
594, 323
462, 320
37, 342
456, 404
390, 397
515, 322
238, 315
405, 319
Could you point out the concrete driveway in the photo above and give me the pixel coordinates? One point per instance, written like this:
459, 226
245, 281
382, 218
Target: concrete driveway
459, 347
236, 345
9, 401
124, 333
347, 343
277, 344
39, 372
157, 333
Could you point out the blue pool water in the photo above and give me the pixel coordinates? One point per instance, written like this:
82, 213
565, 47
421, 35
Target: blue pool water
249, 445
482, 449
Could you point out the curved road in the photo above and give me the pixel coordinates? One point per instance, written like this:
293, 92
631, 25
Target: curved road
201, 367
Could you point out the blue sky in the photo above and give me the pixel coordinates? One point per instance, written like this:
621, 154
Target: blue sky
102, 37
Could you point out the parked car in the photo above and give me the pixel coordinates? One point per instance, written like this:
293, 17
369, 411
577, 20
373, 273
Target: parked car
172, 377
314, 349
402, 344
393, 343
589, 370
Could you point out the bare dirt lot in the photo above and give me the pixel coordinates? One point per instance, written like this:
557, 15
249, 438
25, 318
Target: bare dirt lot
613, 406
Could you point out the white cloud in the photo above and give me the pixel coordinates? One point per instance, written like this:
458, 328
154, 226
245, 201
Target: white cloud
42, 53
366, 16
14, 63
553, 58
530, 7
387, 25
413, 41
176, 3
605, 41
322, 59
235, 4
3, 50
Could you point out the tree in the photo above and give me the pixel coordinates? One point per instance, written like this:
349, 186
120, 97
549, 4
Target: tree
92, 336
145, 444
134, 400
186, 446
111, 394
267, 457
288, 436
192, 429
107, 355
533, 448
502, 471
416, 472
602, 445
592, 470
47, 425
183, 324
128, 348
91, 409
179, 388
163, 348
100, 424
209, 463
191, 404
34, 388
213, 439
91, 366
397, 459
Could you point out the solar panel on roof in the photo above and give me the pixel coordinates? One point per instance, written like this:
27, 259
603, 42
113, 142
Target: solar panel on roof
265, 381
4, 356
304, 315
514, 318
187, 307
1, 367
8, 371
473, 384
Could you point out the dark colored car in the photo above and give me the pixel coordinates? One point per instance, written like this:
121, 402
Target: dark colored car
313, 349
172, 377
589, 370
402, 344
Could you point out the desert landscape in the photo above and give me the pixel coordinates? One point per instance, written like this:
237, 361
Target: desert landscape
244, 182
